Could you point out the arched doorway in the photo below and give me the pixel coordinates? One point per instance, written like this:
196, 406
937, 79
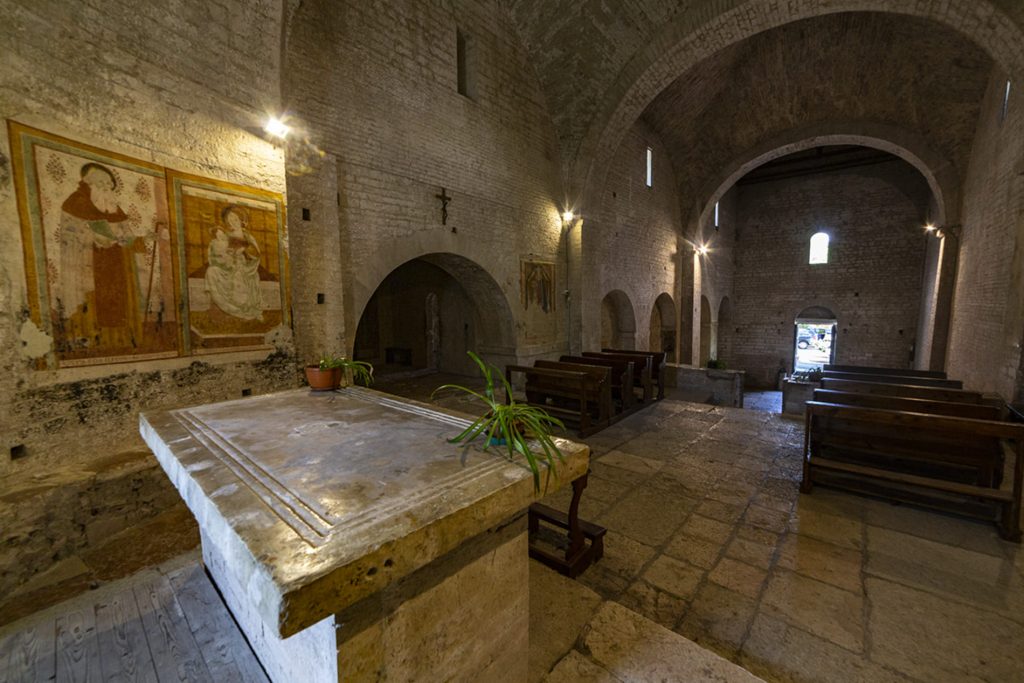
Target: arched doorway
814, 338
428, 312
707, 331
663, 326
618, 322
723, 350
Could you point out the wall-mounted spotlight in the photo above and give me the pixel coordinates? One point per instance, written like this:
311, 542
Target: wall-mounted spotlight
702, 250
276, 128
930, 227
567, 216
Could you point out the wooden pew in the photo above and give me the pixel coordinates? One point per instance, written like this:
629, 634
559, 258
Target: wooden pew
934, 460
658, 359
642, 369
895, 379
865, 370
604, 375
578, 397
906, 390
622, 377
976, 411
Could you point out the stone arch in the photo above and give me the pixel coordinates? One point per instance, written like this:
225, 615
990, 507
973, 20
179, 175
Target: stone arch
618, 321
663, 336
694, 36
938, 172
473, 314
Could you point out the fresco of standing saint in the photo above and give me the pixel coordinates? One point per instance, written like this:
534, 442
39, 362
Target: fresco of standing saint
98, 254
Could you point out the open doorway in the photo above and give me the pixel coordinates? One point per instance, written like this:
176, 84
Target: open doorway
814, 341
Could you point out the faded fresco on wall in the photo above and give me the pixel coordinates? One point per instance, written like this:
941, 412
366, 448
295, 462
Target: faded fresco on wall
234, 263
98, 250
537, 285
128, 261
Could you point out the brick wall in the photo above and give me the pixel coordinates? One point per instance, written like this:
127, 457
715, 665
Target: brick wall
376, 83
872, 282
985, 334
631, 237
174, 83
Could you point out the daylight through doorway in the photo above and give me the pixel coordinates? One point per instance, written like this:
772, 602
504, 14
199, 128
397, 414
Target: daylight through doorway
814, 345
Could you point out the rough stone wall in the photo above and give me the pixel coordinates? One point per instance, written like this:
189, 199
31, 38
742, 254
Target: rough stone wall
872, 281
175, 84
631, 239
987, 322
376, 85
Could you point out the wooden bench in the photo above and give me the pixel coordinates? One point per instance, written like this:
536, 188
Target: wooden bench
895, 379
658, 359
581, 398
865, 370
642, 369
933, 460
604, 375
906, 390
622, 377
585, 539
976, 411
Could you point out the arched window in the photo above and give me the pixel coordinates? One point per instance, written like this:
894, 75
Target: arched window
819, 248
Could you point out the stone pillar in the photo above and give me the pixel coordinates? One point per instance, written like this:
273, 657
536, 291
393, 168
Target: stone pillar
315, 248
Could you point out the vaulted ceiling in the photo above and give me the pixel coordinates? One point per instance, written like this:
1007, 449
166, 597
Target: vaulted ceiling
842, 70
590, 56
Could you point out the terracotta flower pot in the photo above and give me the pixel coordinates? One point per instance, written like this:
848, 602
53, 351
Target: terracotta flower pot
323, 380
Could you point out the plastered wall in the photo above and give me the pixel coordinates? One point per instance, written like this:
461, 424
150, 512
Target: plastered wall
178, 84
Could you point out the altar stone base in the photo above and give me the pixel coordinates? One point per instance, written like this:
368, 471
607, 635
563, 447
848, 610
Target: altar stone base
463, 617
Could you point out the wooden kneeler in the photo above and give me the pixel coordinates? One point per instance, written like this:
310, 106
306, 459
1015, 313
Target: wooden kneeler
586, 540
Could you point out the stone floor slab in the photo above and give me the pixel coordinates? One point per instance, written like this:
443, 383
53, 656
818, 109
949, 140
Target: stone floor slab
559, 609
963, 643
829, 612
678, 578
719, 619
823, 561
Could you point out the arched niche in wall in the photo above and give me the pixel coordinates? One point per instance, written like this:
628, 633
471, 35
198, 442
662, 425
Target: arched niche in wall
663, 326
429, 311
707, 331
618, 321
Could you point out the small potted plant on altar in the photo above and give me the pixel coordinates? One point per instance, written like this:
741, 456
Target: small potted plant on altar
516, 427
328, 374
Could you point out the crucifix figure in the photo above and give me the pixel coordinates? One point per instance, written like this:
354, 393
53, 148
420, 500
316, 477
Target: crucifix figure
444, 205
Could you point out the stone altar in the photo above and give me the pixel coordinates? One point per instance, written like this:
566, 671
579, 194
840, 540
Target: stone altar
351, 540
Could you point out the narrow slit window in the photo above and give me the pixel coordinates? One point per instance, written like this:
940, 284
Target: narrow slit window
819, 249
1006, 103
650, 167
465, 75
716, 214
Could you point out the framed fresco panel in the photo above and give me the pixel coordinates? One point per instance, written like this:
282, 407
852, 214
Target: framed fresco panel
234, 277
99, 252
537, 284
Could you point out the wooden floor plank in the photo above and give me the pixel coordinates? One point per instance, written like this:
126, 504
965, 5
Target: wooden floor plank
175, 652
33, 654
78, 658
124, 650
223, 647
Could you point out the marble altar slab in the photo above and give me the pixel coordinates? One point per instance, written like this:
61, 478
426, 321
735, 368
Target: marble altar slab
316, 501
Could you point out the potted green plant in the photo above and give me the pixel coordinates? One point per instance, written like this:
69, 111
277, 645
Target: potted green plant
513, 425
328, 373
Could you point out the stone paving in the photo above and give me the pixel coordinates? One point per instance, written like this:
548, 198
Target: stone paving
708, 536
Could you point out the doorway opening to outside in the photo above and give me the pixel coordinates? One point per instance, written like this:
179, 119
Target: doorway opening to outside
814, 344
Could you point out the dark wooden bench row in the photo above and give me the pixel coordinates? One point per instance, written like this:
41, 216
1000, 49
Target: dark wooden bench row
905, 390
866, 370
917, 453
895, 379
658, 360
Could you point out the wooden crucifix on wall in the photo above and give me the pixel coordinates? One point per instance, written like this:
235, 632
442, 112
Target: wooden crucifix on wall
444, 205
